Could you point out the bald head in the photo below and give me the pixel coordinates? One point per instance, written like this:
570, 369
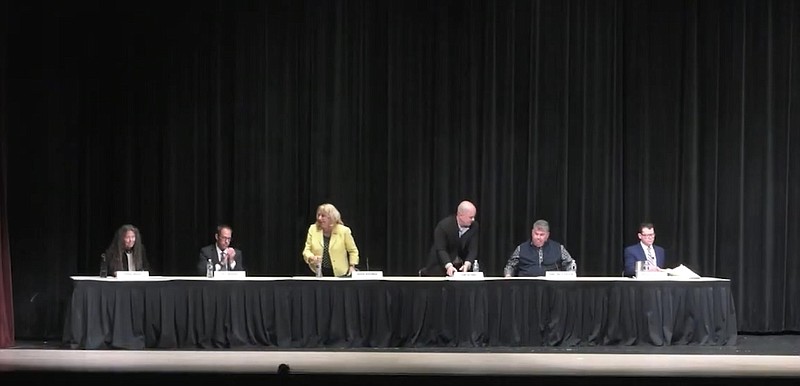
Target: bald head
465, 214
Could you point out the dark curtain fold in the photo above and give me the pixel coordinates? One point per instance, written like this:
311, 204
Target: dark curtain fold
594, 115
6, 289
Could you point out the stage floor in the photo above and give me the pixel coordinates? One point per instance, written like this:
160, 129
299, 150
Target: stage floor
763, 359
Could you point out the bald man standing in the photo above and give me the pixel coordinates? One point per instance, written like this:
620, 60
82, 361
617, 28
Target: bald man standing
455, 242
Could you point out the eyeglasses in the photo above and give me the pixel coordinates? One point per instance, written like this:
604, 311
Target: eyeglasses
648, 235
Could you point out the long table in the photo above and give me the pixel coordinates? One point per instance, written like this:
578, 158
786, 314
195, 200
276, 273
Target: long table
307, 312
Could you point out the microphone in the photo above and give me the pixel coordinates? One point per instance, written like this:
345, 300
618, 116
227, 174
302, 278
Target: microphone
367, 258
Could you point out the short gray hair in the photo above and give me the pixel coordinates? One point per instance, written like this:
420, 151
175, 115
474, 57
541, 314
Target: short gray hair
541, 224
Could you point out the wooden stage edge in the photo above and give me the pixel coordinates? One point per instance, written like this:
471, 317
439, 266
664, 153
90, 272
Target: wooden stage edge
356, 363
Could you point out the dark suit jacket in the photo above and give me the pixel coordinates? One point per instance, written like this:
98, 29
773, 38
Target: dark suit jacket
635, 253
210, 252
449, 248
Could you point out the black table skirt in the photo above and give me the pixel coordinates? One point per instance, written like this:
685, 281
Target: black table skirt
342, 313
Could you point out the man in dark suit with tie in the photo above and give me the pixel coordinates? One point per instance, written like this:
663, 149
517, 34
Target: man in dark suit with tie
455, 243
652, 256
222, 256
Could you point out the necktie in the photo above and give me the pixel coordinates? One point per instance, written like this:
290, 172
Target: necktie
223, 264
651, 258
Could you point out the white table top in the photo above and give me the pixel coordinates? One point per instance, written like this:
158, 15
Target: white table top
392, 278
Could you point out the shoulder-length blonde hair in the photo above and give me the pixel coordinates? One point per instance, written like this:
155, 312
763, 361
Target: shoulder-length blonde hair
331, 212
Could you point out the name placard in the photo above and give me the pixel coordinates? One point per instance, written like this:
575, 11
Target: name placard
560, 275
132, 275
229, 274
467, 276
367, 275
652, 275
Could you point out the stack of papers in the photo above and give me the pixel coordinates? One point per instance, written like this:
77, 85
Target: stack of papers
682, 271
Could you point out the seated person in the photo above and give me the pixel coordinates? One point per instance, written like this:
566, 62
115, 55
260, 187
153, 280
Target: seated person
222, 256
539, 255
126, 252
653, 257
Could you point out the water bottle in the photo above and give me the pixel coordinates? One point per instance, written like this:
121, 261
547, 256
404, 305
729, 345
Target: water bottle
476, 267
319, 269
103, 266
209, 269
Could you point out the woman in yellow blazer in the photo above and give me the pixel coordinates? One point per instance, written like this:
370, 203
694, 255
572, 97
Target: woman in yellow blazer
330, 235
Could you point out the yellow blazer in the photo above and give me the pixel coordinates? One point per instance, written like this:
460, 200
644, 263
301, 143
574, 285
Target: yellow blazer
341, 247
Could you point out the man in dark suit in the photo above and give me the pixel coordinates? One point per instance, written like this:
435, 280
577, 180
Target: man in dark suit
222, 256
455, 243
652, 256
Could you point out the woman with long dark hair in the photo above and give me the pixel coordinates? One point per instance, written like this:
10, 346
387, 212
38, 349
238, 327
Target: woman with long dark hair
126, 252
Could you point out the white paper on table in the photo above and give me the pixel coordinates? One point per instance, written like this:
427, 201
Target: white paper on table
682, 271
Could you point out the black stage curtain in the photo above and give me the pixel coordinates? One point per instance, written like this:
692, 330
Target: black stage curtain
6, 290
311, 313
594, 115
